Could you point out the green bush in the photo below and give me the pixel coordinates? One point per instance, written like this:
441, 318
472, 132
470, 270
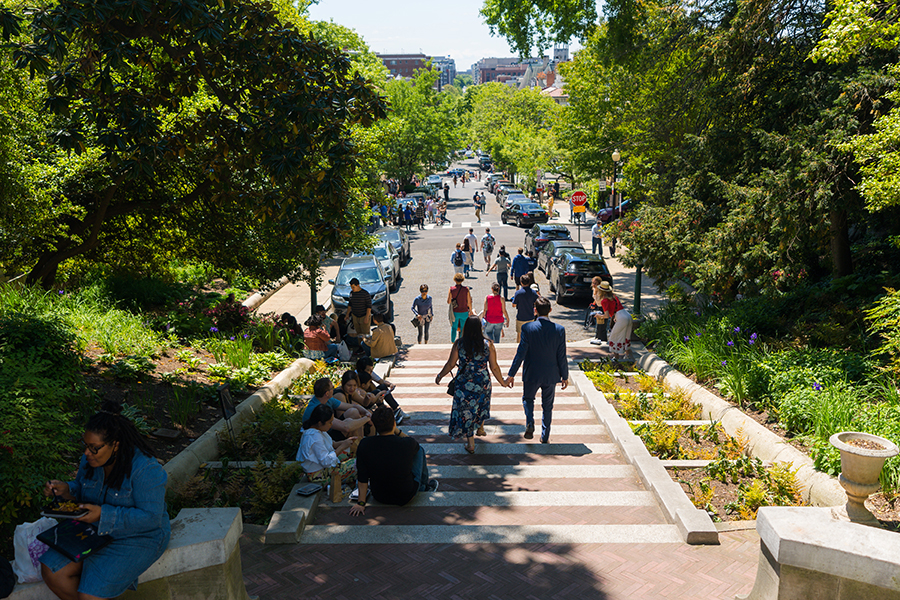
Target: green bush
40, 380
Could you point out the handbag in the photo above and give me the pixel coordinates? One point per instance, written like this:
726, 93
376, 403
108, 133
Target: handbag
415, 322
451, 387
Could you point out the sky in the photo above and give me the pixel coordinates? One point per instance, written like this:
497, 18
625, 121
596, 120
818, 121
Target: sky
452, 29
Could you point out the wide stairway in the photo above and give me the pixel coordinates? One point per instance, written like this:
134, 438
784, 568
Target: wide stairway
578, 489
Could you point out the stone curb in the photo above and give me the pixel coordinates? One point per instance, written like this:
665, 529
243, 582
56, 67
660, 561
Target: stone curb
258, 298
695, 525
206, 447
818, 488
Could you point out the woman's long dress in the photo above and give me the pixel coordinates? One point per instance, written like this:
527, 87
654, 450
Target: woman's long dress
472, 400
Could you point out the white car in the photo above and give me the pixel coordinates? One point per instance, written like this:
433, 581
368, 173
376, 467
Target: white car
389, 259
434, 180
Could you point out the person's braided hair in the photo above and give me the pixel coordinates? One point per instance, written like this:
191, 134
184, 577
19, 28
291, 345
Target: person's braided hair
112, 426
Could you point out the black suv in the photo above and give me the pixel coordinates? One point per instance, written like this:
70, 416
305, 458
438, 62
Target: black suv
540, 234
556, 248
371, 278
570, 275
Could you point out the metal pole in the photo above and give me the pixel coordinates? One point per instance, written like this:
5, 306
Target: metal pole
637, 290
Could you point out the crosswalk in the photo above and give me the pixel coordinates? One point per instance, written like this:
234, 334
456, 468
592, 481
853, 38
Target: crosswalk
576, 489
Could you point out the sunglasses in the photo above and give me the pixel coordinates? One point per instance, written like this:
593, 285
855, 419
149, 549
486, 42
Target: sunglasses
92, 449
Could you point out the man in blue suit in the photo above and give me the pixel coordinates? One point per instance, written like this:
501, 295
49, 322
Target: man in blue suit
542, 349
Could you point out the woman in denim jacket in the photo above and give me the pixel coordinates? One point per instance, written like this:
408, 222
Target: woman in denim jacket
123, 489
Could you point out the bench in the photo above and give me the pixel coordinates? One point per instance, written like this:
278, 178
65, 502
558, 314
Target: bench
805, 553
203, 560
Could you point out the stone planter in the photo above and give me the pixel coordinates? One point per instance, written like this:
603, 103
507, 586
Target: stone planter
860, 469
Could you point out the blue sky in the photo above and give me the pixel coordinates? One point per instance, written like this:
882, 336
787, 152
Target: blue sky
436, 28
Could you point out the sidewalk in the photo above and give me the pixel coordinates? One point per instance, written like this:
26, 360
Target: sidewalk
295, 298
623, 277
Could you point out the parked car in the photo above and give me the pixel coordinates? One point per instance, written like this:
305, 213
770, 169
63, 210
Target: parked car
501, 187
398, 239
571, 273
492, 179
434, 180
605, 215
390, 262
371, 278
513, 198
455, 172
505, 191
555, 248
496, 184
524, 213
537, 236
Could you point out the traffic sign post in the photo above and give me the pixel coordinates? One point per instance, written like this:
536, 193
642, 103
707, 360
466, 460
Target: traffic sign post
579, 198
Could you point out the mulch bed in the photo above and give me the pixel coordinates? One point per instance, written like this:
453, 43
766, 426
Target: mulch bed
723, 492
151, 393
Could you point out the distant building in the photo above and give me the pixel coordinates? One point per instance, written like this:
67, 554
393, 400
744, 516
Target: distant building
403, 65
447, 68
496, 69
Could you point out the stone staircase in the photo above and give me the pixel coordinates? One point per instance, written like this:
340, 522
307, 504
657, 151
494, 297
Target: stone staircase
578, 489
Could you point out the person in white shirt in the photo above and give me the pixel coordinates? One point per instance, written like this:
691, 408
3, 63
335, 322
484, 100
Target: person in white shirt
597, 238
473, 247
319, 455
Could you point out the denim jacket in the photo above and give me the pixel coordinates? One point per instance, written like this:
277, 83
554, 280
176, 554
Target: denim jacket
138, 507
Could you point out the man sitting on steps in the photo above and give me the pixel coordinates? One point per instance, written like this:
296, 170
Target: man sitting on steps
348, 421
392, 463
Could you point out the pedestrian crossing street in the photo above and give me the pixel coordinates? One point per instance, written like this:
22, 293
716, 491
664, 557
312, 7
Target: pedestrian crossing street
467, 224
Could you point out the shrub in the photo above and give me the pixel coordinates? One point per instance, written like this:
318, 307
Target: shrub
40, 381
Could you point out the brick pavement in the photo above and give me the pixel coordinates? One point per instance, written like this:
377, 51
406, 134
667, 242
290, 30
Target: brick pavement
612, 565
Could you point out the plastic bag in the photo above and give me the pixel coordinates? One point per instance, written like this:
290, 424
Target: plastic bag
29, 550
343, 351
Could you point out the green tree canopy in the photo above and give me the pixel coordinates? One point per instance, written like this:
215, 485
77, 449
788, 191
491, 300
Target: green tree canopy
219, 131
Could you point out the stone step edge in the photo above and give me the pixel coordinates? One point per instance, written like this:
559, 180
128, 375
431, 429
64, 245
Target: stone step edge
491, 534
695, 525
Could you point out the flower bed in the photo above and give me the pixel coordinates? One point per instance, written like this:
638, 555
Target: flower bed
804, 394
730, 485
272, 437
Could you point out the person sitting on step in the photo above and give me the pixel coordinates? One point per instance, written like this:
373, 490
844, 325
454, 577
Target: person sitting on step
350, 421
391, 463
319, 455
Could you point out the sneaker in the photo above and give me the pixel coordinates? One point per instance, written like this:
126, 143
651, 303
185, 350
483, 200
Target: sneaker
354, 495
529, 432
399, 416
597, 342
432, 485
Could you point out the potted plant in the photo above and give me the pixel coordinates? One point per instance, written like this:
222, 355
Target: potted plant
862, 457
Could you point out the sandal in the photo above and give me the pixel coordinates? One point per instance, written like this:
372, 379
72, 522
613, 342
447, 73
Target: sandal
470, 450
480, 431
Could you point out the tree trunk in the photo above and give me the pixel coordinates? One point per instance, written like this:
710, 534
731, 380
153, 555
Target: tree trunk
842, 260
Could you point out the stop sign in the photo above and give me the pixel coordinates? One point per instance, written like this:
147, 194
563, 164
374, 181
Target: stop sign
579, 198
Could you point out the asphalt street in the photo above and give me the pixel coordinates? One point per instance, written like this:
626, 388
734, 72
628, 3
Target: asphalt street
430, 264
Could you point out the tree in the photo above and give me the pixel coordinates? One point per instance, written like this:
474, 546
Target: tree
530, 24
225, 125
463, 80
421, 131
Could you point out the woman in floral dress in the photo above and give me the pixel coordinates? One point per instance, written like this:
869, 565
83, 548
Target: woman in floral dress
473, 354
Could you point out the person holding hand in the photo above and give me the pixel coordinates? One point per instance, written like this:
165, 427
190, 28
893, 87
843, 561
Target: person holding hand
123, 489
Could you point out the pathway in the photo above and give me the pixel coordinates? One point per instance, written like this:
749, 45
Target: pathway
519, 519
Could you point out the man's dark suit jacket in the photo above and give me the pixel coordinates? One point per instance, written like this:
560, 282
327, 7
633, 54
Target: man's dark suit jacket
542, 349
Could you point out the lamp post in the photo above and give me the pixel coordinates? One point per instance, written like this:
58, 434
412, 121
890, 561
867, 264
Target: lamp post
616, 158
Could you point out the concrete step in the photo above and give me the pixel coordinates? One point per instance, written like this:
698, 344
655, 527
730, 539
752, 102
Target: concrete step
492, 534
429, 430
497, 415
496, 401
531, 471
526, 447
556, 498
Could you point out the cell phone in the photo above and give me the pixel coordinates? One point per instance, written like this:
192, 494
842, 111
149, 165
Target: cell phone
309, 489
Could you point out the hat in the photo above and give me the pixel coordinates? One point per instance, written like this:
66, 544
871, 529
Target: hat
604, 285
319, 308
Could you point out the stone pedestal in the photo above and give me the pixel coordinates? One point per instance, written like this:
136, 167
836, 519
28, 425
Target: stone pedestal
805, 554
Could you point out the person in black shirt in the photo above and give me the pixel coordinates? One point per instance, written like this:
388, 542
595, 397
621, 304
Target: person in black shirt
392, 463
359, 308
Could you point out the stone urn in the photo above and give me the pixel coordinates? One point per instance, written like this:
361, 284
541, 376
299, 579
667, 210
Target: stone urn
862, 457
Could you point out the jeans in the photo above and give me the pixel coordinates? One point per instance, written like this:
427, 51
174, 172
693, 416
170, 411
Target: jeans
596, 243
423, 328
548, 395
420, 469
332, 351
459, 320
503, 280
492, 331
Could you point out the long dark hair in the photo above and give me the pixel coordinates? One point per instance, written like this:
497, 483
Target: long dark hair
320, 414
473, 337
113, 427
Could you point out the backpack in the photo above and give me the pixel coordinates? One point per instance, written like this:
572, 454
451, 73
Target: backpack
458, 258
488, 243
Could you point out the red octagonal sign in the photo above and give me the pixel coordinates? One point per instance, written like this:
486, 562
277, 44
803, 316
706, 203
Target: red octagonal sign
579, 198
